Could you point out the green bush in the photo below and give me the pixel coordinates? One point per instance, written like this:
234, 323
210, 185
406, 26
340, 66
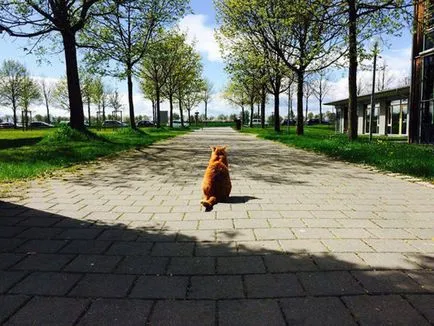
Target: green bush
65, 133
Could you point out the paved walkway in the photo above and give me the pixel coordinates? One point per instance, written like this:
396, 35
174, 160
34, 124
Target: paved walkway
303, 240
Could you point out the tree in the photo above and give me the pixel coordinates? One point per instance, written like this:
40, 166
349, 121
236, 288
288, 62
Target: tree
307, 93
30, 92
363, 19
147, 87
12, 77
155, 71
298, 32
99, 95
190, 83
39, 117
207, 91
123, 36
178, 62
234, 93
331, 117
115, 101
47, 93
87, 91
320, 88
246, 67
41, 20
384, 80
275, 85
60, 94
193, 95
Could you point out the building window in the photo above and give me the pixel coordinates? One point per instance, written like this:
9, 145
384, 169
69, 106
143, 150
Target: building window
375, 120
397, 115
428, 78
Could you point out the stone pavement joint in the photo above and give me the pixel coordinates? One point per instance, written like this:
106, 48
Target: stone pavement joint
303, 240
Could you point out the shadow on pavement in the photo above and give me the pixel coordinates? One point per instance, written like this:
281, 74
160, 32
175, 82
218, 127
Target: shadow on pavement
60, 270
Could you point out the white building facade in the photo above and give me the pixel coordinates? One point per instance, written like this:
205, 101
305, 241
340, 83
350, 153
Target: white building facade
390, 113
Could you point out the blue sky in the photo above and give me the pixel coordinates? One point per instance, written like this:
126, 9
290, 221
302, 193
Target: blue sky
200, 28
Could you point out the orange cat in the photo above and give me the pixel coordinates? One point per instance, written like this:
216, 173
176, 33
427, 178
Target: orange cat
216, 183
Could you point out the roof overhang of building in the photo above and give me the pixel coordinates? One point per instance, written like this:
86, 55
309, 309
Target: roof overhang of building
390, 94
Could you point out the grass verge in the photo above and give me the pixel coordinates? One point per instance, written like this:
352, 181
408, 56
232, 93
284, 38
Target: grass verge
383, 153
27, 157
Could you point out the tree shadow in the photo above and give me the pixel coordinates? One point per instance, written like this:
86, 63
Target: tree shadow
59, 269
19, 142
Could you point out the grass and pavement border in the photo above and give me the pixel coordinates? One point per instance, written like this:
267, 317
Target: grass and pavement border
391, 154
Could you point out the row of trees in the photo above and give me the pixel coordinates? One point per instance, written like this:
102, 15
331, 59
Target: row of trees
117, 35
172, 71
269, 45
19, 90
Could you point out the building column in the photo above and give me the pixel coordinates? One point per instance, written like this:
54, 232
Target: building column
382, 115
360, 124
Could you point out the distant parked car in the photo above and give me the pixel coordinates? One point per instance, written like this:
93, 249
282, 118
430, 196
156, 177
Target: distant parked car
145, 123
5, 125
311, 122
67, 123
291, 122
177, 124
113, 124
257, 122
40, 124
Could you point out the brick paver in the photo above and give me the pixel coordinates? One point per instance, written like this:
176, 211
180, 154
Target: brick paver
302, 240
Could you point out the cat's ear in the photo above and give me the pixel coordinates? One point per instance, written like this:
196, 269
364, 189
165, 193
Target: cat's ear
212, 148
226, 147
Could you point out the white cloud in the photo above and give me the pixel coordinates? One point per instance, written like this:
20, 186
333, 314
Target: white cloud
398, 66
203, 35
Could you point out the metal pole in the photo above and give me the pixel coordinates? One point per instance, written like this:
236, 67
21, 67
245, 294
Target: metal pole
373, 90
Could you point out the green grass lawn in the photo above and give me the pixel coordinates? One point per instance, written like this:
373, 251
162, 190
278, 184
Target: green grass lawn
385, 153
32, 153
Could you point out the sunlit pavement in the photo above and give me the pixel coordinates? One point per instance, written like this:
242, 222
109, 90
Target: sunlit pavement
303, 240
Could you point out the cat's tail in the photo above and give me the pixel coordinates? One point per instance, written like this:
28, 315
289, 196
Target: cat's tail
209, 202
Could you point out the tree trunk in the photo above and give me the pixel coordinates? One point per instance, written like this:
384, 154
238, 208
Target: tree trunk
157, 104
252, 108
263, 100
276, 110
242, 115
103, 110
26, 118
171, 110
154, 115
48, 110
180, 113
74, 91
320, 98
320, 110
206, 110
130, 97
14, 108
189, 117
300, 81
306, 108
88, 111
352, 70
